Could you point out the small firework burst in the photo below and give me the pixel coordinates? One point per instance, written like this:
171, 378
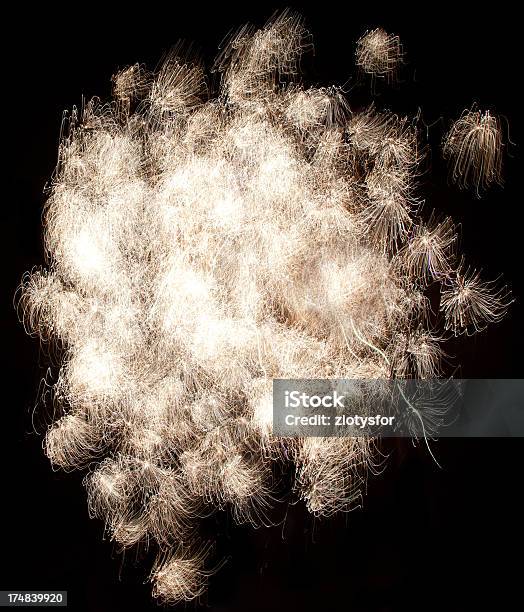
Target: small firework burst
379, 53
474, 147
470, 304
181, 577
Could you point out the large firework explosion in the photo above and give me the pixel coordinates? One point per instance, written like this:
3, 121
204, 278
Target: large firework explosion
197, 248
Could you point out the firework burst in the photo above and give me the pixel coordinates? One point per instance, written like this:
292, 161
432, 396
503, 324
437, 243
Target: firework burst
197, 248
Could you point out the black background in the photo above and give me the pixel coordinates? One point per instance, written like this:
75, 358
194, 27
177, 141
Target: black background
427, 538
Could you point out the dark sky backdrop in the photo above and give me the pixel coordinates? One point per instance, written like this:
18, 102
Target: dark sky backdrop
427, 538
